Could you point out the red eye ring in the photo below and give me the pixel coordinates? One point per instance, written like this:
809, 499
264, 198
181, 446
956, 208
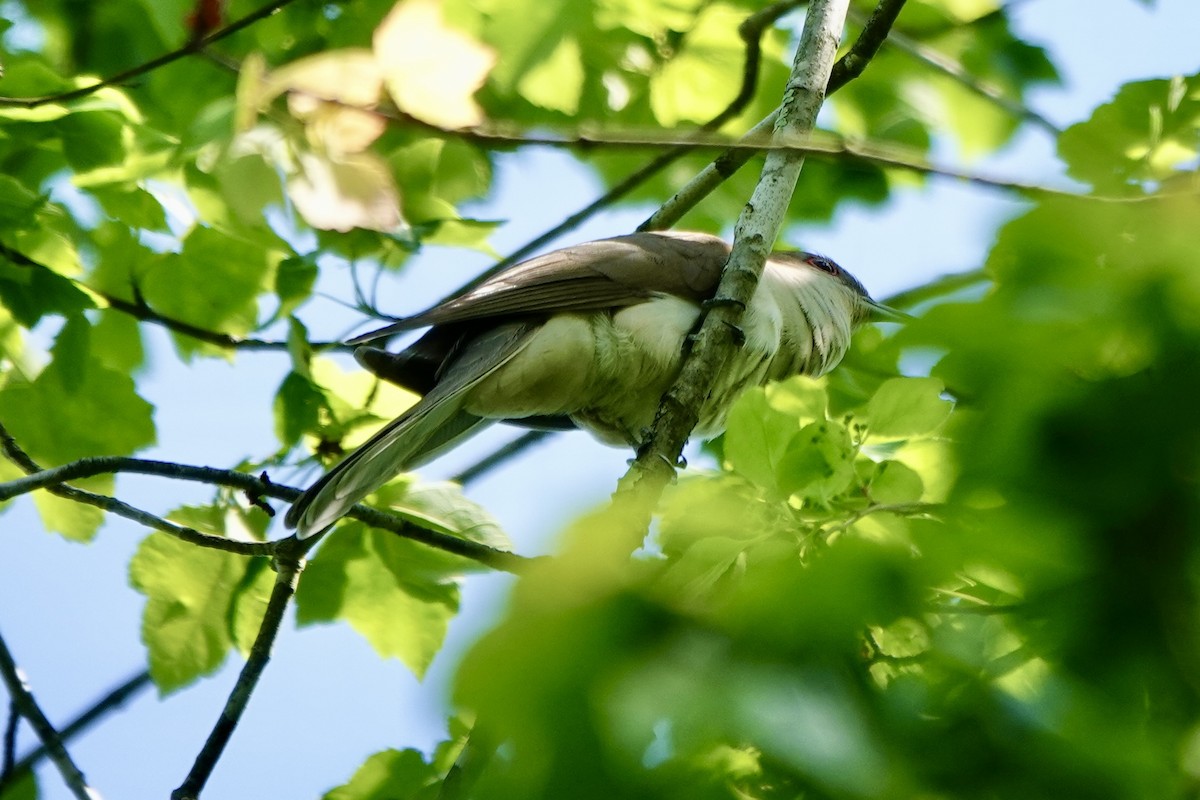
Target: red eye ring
824, 264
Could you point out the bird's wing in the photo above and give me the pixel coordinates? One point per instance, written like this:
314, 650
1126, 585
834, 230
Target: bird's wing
608, 273
434, 424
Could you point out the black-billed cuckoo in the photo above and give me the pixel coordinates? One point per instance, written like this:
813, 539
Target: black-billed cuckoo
588, 336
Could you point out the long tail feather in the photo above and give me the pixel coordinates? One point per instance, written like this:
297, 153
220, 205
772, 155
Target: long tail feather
436, 423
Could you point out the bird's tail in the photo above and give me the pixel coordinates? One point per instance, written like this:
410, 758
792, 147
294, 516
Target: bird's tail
435, 424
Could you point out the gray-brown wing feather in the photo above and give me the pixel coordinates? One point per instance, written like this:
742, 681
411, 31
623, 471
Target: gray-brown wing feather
609, 273
436, 423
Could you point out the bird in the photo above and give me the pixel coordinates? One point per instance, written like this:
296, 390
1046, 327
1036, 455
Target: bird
589, 336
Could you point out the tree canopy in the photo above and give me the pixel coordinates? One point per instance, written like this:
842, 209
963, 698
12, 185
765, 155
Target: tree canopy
964, 564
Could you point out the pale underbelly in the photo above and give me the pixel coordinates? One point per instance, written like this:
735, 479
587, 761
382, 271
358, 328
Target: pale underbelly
608, 372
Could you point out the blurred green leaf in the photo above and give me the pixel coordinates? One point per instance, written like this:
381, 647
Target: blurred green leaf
818, 462
1150, 131
907, 407
212, 283
298, 405
757, 437
30, 292
390, 775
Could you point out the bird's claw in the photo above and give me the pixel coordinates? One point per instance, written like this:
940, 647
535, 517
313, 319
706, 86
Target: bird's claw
717, 302
738, 335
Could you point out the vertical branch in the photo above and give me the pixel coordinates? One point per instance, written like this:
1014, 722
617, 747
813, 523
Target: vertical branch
876, 30
24, 702
288, 566
10, 743
754, 234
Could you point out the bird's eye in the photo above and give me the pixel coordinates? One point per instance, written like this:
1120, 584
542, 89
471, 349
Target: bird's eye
824, 264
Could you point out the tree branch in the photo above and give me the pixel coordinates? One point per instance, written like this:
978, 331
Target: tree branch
7, 762
289, 562
23, 700
500, 455
848, 67
956, 71
188, 49
751, 31
754, 234
111, 701
53, 479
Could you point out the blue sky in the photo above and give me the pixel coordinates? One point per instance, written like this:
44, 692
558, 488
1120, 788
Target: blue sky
327, 701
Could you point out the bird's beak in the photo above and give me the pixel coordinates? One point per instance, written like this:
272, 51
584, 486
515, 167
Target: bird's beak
881, 313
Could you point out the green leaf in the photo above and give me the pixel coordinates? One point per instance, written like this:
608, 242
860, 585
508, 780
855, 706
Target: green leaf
131, 205
389, 775
190, 592
907, 407
77, 406
895, 482
249, 604
92, 139
757, 437
442, 506
117, 342
365, 577
294, 280
30, 292
701, 79
24, 787
298, 404
75, 521
557, 82
17, 203
212, 283
1149, 131
819, 461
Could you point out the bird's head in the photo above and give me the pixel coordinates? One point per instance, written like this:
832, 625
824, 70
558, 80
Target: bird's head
865, 308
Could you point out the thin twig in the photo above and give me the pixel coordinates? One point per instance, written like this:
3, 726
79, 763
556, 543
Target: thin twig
10, 743
14, 453
188, 49
289, 566
23, 699
939, 287
112, 700
755, 232
500, 455
751, 31
53, 479
957, 72
847, 68
902, 509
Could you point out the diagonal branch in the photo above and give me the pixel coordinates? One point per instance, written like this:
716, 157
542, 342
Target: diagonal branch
956, 71
194, 46
751, 30
111, 701
289, 563
53, 480
7, 762
847, 68
755, 233
24, 701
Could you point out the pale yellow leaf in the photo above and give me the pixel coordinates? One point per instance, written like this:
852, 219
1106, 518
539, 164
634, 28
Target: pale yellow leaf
349, 76
354, 191
431, 71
